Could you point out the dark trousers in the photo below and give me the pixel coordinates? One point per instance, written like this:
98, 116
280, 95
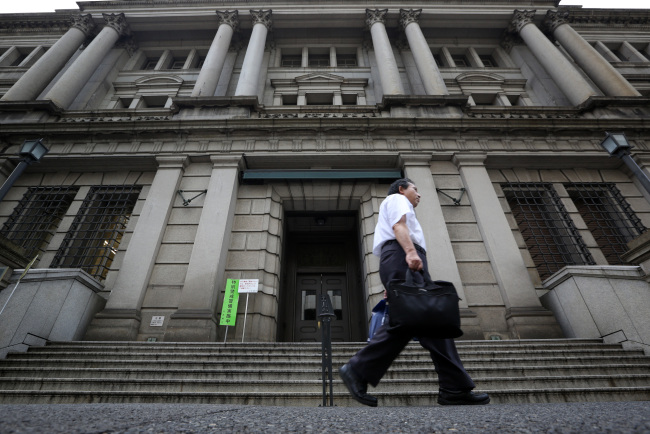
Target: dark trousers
372, 362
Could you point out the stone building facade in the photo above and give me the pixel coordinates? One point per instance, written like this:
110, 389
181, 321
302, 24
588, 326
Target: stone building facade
193, 142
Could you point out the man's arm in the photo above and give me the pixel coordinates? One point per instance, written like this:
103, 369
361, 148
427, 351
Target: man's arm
403, 237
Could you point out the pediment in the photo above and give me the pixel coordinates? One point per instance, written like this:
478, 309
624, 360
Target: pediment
480, 77
164, 80
319, 78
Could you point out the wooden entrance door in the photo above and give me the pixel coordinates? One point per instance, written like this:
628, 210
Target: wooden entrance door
309, 289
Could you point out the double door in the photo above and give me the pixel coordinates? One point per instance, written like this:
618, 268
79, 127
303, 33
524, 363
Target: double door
309, 289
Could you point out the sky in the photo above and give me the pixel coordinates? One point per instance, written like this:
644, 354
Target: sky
13, 6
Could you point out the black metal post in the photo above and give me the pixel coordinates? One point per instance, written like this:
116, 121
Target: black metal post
20, 168
325, 314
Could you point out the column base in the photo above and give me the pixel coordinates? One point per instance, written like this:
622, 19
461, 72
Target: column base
192, 325
114, 325
470, 325
532, 323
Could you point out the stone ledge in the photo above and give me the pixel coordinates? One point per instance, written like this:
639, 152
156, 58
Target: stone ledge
606, 271
214, 101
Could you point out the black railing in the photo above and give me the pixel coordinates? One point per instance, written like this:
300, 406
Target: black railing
325, 315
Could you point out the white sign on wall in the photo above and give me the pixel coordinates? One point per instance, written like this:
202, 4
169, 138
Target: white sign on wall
248, 285
157, 321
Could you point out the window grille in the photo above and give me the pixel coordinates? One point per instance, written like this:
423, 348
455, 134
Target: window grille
608, 216
97, 230
292, 61
460, 60
34, 221
346, 60
549, 233
488, 61
319, 61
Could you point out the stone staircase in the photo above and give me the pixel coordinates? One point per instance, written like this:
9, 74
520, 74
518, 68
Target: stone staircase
289, 374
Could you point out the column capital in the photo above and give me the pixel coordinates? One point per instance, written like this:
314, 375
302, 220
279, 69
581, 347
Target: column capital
235, 161
555, 19
520, 19
118, 23
408, 16
84, 23
465, 160
415, 159
262, 17
375, 16
230, 18
172, 162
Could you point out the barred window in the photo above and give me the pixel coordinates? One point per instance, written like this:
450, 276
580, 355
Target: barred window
34, 221
97, 230
608, 216
549, 233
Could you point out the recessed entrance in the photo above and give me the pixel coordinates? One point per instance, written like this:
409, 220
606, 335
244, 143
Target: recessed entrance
322, 256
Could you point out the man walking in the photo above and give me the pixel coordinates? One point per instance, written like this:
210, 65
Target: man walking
399, 242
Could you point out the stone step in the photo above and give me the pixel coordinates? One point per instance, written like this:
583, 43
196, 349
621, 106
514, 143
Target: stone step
160, 363
209, 373
306, 347
255, 385
313, 399
339, 357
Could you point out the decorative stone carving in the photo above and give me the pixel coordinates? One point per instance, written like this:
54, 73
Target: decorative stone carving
408, 16
128, 44
520, 19
262, 17
118, 23
84, 23
554, 19
375, 16
230, 18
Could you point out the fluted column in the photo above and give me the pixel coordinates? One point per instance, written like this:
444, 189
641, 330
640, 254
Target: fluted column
424, 61
391, 83
250, 70
208, 79
568, 79
606, 77
32, 83
73, 80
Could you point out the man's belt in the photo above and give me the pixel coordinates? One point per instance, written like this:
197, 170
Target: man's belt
417, 246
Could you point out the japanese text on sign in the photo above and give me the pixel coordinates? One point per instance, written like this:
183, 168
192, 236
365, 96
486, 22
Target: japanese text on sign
230, 301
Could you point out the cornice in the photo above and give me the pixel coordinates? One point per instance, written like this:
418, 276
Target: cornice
41, 23
606, 17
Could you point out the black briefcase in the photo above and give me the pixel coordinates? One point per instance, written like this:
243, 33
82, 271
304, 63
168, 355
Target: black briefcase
427, 308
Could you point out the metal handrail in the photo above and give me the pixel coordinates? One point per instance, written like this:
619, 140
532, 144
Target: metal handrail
325, 314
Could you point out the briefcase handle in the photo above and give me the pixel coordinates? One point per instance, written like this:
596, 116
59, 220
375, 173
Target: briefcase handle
410, 275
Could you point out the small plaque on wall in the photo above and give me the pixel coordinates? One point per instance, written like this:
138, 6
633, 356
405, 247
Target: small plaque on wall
157, 321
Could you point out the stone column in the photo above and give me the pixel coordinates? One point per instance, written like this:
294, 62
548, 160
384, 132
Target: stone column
250, 70
568, 79
208, 79
66, 89
32, 82
525, 315
426, 64
440, 254
120, 319
391, 83
195, 320
606, 77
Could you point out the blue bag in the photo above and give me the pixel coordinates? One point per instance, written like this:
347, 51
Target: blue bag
378, 318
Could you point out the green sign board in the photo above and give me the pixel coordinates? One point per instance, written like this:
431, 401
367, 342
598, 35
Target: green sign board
230, 300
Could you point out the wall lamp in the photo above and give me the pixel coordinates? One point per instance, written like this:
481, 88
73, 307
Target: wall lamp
31, 151
616, 144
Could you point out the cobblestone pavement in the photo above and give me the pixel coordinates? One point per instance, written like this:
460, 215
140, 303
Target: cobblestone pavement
602, 417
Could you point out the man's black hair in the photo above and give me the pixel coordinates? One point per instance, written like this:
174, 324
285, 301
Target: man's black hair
394, 187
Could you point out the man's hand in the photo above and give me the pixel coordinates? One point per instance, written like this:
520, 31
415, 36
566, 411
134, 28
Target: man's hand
404, 239
413, 260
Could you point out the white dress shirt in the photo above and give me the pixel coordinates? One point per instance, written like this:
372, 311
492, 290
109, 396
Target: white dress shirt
392, 209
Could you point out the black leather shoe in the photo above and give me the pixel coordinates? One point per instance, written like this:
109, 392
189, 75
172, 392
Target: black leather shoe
466, 397
356, 387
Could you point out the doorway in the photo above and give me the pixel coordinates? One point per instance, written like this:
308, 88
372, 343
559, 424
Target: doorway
322, 256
